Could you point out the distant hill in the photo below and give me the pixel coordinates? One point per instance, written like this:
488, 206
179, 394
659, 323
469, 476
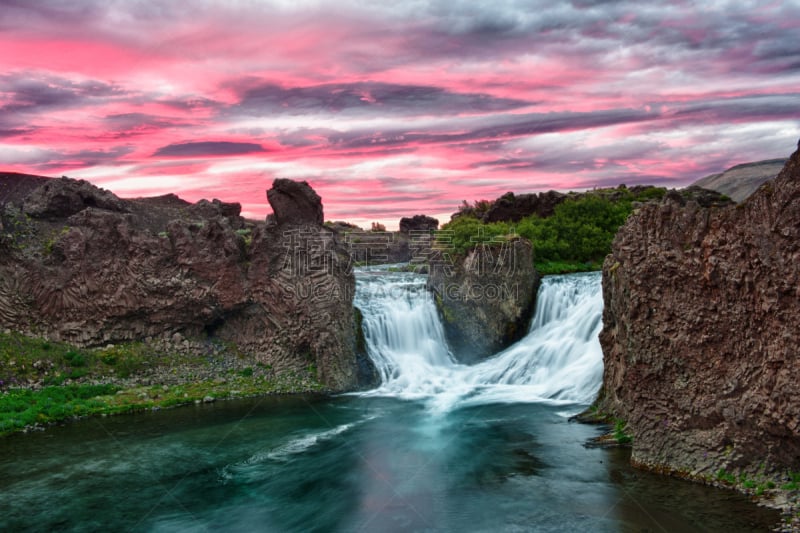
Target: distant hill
741, 181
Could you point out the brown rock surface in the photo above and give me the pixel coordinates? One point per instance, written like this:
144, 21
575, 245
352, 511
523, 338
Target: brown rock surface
94, 269
702, 331
486, 298
295, 202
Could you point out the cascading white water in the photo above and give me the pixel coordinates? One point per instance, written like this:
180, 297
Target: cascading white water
559, 361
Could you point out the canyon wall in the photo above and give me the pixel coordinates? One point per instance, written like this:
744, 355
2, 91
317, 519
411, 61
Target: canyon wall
701, 333
80, 265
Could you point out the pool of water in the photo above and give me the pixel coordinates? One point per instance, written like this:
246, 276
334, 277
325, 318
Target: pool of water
346, 463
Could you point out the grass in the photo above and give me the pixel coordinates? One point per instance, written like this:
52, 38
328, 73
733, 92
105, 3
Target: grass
37, 380
25, 360
620, 435
759, 485
20, 408
794, 481
25, 408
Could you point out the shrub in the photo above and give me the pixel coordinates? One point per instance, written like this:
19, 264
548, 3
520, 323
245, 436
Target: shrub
577, 237
75, 358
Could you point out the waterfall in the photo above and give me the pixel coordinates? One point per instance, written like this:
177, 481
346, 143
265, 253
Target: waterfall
558, 361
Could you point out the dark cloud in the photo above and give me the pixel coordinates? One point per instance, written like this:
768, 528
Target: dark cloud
269, 98
26, 92
48, 160
124, 125
502, 127
194, 103
208, 148
15, 132
753, 108
16, 12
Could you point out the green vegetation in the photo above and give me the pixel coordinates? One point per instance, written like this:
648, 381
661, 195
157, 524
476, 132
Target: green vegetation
725, 476
247, 236
25, 359
43, 382
757, 485
576, 238
21, 408
620, 434
54, 237
794, 481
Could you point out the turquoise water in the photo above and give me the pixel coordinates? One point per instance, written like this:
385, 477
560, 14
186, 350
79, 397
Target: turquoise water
438, 447
345, 464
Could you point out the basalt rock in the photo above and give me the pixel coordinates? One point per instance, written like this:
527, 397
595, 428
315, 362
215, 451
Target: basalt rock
82, 266
418, 223
513, 208
61, 198
486, 298
701, 331
295, 202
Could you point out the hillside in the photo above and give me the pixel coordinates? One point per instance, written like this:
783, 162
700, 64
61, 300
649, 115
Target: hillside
741, 181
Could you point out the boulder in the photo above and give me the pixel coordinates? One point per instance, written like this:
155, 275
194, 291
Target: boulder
295, 202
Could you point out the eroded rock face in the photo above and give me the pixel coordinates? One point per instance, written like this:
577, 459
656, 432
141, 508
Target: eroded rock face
513, 208
94, 269
701, 335
61, 198
486, 298
418, 223
295, 202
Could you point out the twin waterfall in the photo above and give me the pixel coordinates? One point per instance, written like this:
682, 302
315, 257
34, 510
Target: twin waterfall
558, 362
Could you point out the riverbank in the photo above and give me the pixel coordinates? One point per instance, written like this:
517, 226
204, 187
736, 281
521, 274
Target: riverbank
776, 490
44, 383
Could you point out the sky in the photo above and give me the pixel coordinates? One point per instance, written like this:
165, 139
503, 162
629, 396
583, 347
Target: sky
390, 109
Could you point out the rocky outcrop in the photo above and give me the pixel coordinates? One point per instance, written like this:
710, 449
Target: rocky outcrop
65, 197
295, 203
741, 181
83, 266
486, 298
418, 223
513, 208
701, 332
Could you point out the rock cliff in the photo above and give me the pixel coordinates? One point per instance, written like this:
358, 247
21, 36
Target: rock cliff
486, 298
701, 331
80, 265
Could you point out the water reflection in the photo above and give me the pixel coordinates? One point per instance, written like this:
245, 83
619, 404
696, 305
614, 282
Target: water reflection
345, 464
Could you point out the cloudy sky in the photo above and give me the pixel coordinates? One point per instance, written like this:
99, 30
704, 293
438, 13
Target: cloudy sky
393, 108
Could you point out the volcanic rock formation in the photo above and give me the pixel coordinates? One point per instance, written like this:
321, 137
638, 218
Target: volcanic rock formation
80, 265
486, 298
701, 331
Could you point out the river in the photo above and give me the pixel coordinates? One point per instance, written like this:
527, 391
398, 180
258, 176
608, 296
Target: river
439, 446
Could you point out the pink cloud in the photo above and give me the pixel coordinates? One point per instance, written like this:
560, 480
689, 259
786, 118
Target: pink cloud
391, 110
